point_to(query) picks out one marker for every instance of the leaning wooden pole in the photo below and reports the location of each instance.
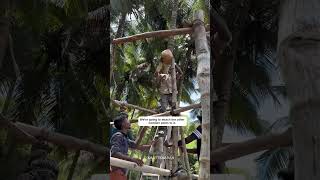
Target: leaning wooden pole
(17, 129)
(203, 77)
(161, 33)
(119, 103)
(236, 150)
(69, 142)
(179, 110)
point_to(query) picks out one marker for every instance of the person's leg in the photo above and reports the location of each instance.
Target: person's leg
(169, 97)
(163, 102)
(172, 105)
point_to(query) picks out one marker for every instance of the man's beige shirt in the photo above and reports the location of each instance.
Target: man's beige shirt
(165, 84)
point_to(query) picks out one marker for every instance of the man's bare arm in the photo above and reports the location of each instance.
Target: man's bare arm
(178, 69)
(127, 158)
(143, 147)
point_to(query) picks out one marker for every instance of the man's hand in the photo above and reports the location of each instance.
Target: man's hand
(166, 143)
(145, 147)
(164, 76)
(137, 161)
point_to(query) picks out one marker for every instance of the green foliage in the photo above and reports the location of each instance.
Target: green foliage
(271, 162)
(62, 84)
(76, 8)
(201, 5)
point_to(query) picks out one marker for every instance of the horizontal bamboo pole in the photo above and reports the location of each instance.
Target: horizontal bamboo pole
(119, 103)
(193, 176)
(66, 141)
(179, 110)
(236, 150)
(147, 170)
(133, 166)
(153, 34)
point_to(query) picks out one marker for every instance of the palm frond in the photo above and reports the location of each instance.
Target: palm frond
(270, 162)
(243, 116)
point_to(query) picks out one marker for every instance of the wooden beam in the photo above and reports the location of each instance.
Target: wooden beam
(133, 166)
(236, 150)
(17, 130)
(179, 110)
(150, 170)
(193, 176)
(153, 34)
(66, 141)
(119, 103)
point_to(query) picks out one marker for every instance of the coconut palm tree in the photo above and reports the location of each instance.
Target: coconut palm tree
(246, 48)
(298, 50)
(60, 61)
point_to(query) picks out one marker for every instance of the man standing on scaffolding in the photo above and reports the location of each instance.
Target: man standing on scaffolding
(163, 75)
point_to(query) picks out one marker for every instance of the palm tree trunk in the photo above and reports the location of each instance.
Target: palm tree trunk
(223, 77)
(4, 38)
(299, 53)
(184, 68)
(73, 165)
(122, 22)
(203, 77)
(119, 33)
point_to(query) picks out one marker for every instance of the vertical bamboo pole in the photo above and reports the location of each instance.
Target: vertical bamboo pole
(151, 151)
(174, 148)
(203, 77)
(185, 154)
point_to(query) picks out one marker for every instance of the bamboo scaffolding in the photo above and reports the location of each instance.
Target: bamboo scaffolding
(179, 110)
(144, 168)
(133, 166)
(153, 34)
(119, 103)
(228, 152)
(184, 153)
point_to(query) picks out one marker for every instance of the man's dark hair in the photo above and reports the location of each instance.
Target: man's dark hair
(119, 120)
(124, 114)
